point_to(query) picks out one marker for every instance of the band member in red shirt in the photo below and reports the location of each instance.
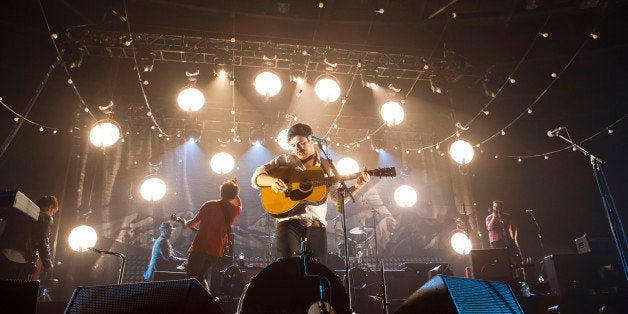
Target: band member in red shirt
(215, 219)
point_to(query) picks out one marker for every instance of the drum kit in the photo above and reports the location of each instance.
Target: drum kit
(359, 245)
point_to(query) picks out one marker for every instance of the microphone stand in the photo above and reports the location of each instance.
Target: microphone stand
(381, 267)
(340, 203)
(538, 230)
(120, 255)
(614, 220)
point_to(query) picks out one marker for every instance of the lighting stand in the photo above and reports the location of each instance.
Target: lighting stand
(614, 220)
(385, 302)
(120, 255)
(343, 190)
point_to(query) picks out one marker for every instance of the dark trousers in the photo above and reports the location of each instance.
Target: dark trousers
(198, 265)
(289, 235)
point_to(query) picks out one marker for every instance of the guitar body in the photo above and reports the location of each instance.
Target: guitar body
(301, 190)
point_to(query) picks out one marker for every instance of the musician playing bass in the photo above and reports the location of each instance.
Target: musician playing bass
(215, 219)
(163, 257)
(306, 220)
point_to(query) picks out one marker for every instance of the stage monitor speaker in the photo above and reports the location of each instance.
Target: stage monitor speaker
(491, 264)
(444, 294)
(177, 296)
(19, 296)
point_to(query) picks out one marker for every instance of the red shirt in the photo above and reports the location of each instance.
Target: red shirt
(496, 233)
(212, 232)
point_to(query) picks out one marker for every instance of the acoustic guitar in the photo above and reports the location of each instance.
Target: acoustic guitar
(305, 187)
(230, 237)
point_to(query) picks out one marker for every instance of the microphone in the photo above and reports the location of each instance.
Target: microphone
(316, 139)
(554, 132)
(529, 210)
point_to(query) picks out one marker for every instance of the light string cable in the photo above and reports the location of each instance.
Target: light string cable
(416, 80)
(426, 68)
(343, 102)
(460, 128)
(547, 154)
(510, 78)
(555, 77)
(53, 38)
(137, 71)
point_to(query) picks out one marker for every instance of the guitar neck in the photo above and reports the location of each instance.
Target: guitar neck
(333, 179)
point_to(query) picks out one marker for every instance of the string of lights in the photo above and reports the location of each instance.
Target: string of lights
(70, 81)
(342, 103)
(608, 129)
(510, 79)
(403, 100)
(555, 78)
(18, 116)
(139, 76)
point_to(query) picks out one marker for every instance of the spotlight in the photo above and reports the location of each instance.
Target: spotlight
(81, 238)
(368, 77)
(269, 52)
(256, 137)
(73, 57)
(297, 73)
(145, 59)
(405, 196)
(461, 152)
(191, 99)
(192, 132)
(222, 163)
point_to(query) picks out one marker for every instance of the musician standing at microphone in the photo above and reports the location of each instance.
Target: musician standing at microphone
(215, 218)
(501, 231)
(306, 221)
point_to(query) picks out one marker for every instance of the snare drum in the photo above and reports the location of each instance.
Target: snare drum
(284, 287)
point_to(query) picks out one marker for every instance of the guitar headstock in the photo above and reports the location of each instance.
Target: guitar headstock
(383, 172)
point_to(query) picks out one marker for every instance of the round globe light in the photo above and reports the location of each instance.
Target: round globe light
(461, 152)
(347, 165)
(268, 84)
(392, 113)
(191, 99)
(282, 139)
(104, 133)
(405, 196)
(222, 163)
(327, 89)
(153, 189)
(460, 242)
(82, 238)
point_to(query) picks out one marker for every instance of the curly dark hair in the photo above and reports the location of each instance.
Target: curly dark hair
(48, 202)
(229, 190)
(299, 129)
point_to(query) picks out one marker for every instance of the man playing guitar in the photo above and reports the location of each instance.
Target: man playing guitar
(307, 220)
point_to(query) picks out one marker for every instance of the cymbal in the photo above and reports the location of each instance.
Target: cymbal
(360, 230)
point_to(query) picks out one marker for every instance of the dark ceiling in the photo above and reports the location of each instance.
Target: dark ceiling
(471, 49)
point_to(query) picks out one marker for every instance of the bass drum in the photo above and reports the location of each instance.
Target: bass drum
(284, 287)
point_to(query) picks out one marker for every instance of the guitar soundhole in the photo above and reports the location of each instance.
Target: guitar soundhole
(305, 189)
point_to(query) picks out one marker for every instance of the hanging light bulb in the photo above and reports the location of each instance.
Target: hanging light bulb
(153, 189)
(347, 165)
(191, 99)
(405, 196)
(104, 133)
(327, 88)
(268, 84)
(222, 163)
(461, 152)
(392, 113)
(282, 139)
